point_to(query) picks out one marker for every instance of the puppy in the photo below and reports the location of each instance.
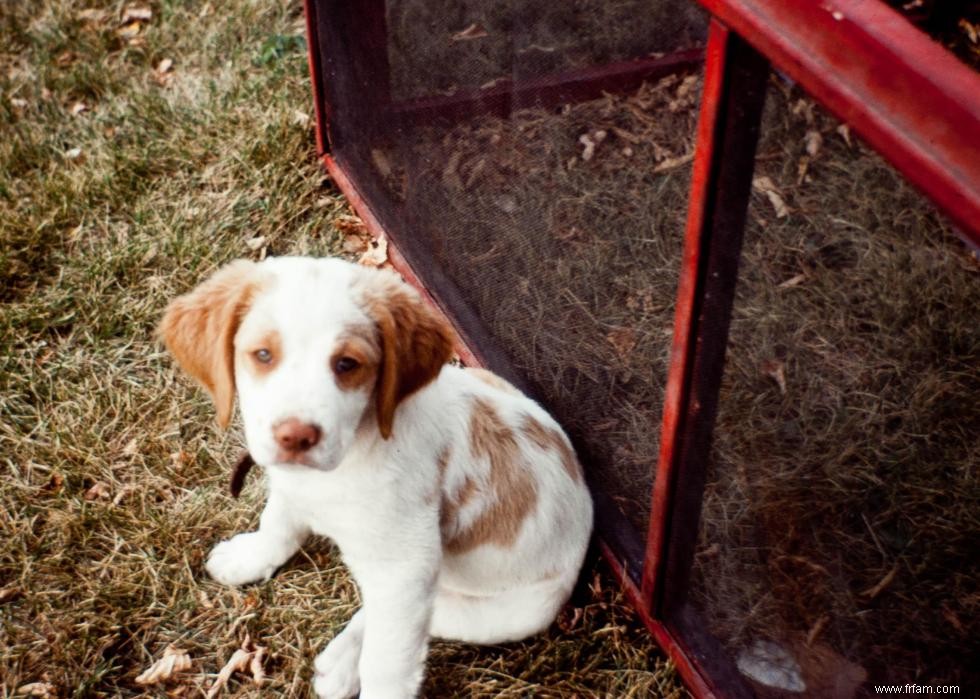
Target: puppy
(456, 502)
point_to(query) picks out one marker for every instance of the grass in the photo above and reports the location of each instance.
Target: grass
(114, 480)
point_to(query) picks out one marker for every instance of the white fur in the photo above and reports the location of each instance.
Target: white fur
(379, 499)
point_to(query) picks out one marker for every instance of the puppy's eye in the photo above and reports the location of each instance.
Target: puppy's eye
(345, 364)
(263, 355)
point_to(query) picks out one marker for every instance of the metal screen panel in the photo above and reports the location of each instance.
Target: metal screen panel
(838, 534)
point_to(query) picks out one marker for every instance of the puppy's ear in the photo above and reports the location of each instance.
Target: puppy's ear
(199, 330)
(415, 343)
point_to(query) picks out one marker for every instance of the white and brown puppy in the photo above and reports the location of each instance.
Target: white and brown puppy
(456, 501)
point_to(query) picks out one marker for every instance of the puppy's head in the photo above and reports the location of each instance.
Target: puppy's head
(315, 348)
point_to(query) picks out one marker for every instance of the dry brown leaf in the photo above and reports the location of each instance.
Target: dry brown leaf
(793, 281)
(255, 666)
(38, 689)
(765, 185)
(623, 341)
(474, 31)
(238, 662)
(876, 590)
(65, 59)
(91, 16)
(972, 30)
(376, 254)
(813, 141)
(129, 31)
(256, 243)
(54, 483)
(381, 163)
(775, 370)
(174, 660)
(672, 163)
(136, 13)
(99, 491)
(10, 593)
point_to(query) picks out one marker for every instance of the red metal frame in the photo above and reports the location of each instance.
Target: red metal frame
(910, 99)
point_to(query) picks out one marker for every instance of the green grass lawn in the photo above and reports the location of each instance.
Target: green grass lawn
(136, 157)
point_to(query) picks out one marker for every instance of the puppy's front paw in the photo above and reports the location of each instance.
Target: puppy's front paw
(243, 559)
(336, 668)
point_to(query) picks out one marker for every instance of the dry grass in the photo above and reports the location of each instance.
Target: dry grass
(114, 477)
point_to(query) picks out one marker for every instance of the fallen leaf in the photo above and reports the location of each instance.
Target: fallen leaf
(300, 118)
(238, 662)
(802, 168)
(164, 66)
(950, 616)
(99, 491)
(136, 13)
(65, 58)
(78, 108)
(174, 660)
(129, 31)
(845, 132)
(775, 370)
(18, 102)
(255, 666)
(376, 254)
(54, 483)
(132, 447)
(971, 31)
(255, 243)
(588, 147)
(623, 341)
(805, 109)
(92, 16)
(793, 281)
(813, 141)
(474, 31)
(381, 163)
(765, 185)
(672, 163)
(876, 590)
(10, 593)
(38, 689)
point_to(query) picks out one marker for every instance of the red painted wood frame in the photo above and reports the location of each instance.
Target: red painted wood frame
(905, 95)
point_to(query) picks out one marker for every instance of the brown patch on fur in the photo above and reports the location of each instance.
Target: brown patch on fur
(199, 330)
(491, 379)
(361, 346)
(270, 341)
(510, 482)
(548, 438)
(415, 343)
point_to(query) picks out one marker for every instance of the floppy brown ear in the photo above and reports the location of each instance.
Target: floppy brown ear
(415, 343)
(199, 330)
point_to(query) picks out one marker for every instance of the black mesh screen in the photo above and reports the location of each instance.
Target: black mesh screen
(842, 513)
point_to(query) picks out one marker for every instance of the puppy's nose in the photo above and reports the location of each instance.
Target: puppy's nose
(295, 436)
